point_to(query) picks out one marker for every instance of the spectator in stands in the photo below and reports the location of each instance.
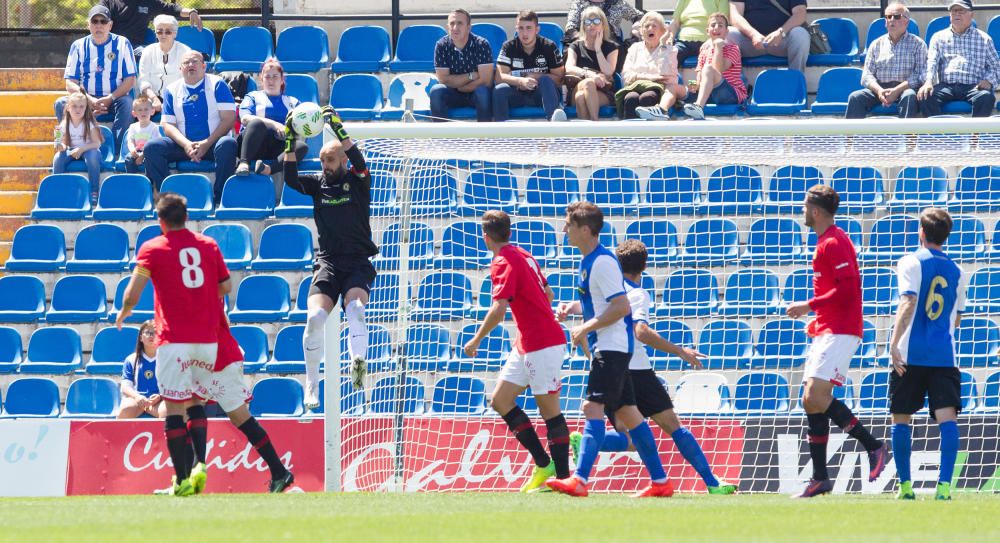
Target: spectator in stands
(131, 18)
(962, 65)
(615, 11)
(894, 68)
(198, 115)
(78, 137)
(590, 65)
(140, 133)
(102, 67)
(530, 70)
(463, 63)
(687, 29)
(161, 66)
(262, 116)
(650, 73)
(760, 27)
(719, 75)
(140, 392)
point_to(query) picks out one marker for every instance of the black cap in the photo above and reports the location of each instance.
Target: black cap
(967, 4)
(99, 9)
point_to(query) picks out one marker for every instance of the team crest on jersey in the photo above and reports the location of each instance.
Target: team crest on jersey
(583, 275)
(347, 187)
(191, 98)
(148, 374)
(111, 55)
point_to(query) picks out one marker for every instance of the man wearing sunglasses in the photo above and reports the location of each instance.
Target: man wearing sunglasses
(131, 17)
(894, 69)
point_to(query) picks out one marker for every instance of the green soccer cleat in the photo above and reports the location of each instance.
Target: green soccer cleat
(575, 438)
(539, 476)
(169, 490)
(184, 488)
(198, 478)
(906, 491)
(724, 488)
(359, 369)
(943, 491)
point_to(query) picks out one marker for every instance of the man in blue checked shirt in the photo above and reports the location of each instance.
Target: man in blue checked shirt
(962, 64)
(102, 66)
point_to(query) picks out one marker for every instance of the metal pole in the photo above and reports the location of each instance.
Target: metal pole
(265, 13)
(395, 20)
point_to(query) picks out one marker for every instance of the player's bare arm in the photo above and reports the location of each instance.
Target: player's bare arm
(904, 316)
(616, 311)
(493, 319)
(132, 294)
(568, 308)
(225, 287)
(647, 336)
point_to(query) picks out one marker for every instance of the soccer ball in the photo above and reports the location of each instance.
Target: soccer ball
(307, 120)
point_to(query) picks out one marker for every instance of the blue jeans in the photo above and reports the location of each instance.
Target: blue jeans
(982, 100)
(862, 101)
(91, 158)
(545, 94)
(723, 93)
(160, 152)
(444, 98)
(120, 108)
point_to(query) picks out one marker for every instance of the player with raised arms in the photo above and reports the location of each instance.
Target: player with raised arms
(538, 354)
(836, 332)
(607, 329)
(342, 271)
(932, 294)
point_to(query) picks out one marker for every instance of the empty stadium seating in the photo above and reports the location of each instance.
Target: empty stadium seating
(751, 293)
(31, 397)
(284, 247)
(463, 247)
(842, 34)
(549, 191)
(92, 398)
(303, 49)
(111, 347)
(244, 49)
(689, 293)
(917, 187)
(196, 188)
(246, 197)
(100, 248)
(492, 352)
(977, 343)
(778, 92)
(124, 197)
(614, 190)
(37, 248)
(786, 190)
(261, 298)
(727, 344)
(11, 350)
(202, 41)
(362, 49)
(983, 295)
(77, 298)
(142, 311)
(390, 395)
(781, 344)
(234, 242)
(702, 392)
(659, 237)
(277, 397)
(835, 86)
(672, 190)
(772, 242)
(53, 350)
(761, 392)
(415, 48)
(357, 97)
(710, 242)
(22, 298)
(458, 395)
(62, 196)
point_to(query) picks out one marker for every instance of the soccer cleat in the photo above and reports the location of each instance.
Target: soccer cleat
(575, 438)
(539, 476)
(724, 488)
(184, 488)
(198, 478)
(652, 113)
(694, 111)
(943, 491)
(876, 462)
(169, 490)
(571, 486)
(359, 369)
(656, 490)
(906, 491)
(311, 398)
(816, 488)
(277, 486)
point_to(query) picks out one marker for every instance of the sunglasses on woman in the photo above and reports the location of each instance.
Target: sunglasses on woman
(592, 22)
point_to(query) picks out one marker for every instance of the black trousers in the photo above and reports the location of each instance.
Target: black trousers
(258, 141)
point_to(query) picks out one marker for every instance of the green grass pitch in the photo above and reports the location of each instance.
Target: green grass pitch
(478, 517)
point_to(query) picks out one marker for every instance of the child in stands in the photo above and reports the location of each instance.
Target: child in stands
(77, 137)
(139, 133)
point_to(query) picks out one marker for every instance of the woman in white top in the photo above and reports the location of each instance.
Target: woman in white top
(160, 65)
(650, 70)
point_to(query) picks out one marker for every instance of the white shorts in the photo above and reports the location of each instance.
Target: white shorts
(539, 369)
(830, 357)
(226, 388)
(175, 363)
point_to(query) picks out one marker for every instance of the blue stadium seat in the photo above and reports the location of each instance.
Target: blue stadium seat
(244, 49)
(876, 29)
(352, 401)
(751, 293)
(835, 86)
(483, 301)
(92, 398)
(891, 238)
(111, 347)
(977, 340)
(304, 88)
(549, 191)
(383, 193)
(983, 295)
(551, 31)
(614, 190)
(493, 351)
(284, 246)
(235, 243)
(428, 347)
(357, 97)
(867, 354)
(569, 256)
(415, 48)
(850, 226)
(728, 345)
(442, 296)
(196, 188)
(261, 298)
(761, 392)
(969, 392)
(774, 241)
(977, 190)
(246, 197)
(967, 241)
(287, 356)
(385, 397)
(62, 196)
(672, 190)
(842, 34)
(293, 204)
(879, 291)
(31, 397)
(946, 143)
(433, 192)
(874, 395)
(421, 250)
(539, 239)
(403, 87)
(37, 248)
(458, 395)
(798, 286)
(53, 350)
(659, 236)
(710, 242)
(778, 92)
(22, 298)
(463, 247)
(202, 41)
(689, 293)
(11, 350)
(844, 393)
(124, 197)
(573, 393)
(383, 303)
(993, 29)
(100, 248)
(362, 49)
(142, 312)
(107, 152)
(492, 33)
(917, 187)
(147, 233)
(253, 340)
(733, 190)
(676, 332)
(78, 298)
(781, 344)
(991, 393)
(992, 252)
(702, 393)
(303, 49)
(563, 286)
(487, 189)
(277, 397)
(860, 188)
(938, 24)
(788, 186)
(833, 144)
(379, 354)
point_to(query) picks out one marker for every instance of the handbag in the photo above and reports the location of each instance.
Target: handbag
(819, 43)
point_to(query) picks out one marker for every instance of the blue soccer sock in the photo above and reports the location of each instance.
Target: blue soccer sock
(949, 449)
(901, 441)
(645, 445)
(593, 436)
(614, 441)
(691, 451)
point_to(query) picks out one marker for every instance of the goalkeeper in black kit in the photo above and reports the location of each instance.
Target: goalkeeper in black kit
(342, 269)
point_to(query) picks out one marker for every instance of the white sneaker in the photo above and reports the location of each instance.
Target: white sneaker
(359, 369)
(558, 116)
(652, 113)
(311, 399)
(694, 111)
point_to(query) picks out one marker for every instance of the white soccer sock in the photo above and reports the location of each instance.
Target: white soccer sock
(312, 342)
(357, 330)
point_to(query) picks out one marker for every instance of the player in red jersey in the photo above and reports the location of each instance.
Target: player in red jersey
(538, 355)
(836, 333)
(190, 278)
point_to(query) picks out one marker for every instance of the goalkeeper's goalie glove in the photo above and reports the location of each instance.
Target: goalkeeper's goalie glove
(331, 117)
(289, 134)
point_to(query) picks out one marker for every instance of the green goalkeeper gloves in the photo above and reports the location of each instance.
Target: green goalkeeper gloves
(289, 134)
(335, 122)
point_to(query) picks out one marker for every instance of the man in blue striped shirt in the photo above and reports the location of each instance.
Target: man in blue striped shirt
(102, 66)
(962, 65)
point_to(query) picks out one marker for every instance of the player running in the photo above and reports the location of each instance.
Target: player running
(190, 278)
(836, 333)
(539, 351)
(607, 328)
(341, 209)
(651, 398)
(923, 349)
